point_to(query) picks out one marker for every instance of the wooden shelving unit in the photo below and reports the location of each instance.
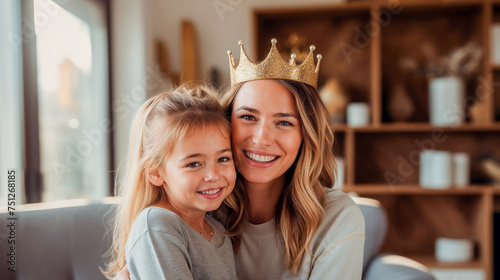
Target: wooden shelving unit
(382, 33)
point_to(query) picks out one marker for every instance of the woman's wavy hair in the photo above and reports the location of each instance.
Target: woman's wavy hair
(162, 121)
(300, 209)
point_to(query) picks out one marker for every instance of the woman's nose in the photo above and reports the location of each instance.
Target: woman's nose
(212, 173)
(262, 135)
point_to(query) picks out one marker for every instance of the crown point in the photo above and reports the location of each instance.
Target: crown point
(274, 41)
(319, 56)
(294, 56)
(312, 47)
(240, 42)
(229, 52)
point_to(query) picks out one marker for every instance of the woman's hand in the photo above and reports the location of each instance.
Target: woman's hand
(122, 275)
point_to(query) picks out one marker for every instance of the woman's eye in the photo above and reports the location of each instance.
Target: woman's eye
(248, 117)
(285, 123)
(193, 164)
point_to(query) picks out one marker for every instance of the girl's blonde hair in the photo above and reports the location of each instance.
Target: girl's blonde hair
(158, 125)
(300, 209)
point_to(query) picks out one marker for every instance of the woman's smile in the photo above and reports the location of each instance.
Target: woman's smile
(259, 157)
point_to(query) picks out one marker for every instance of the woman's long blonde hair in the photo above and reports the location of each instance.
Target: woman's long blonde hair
(300, 209)
(159, 124)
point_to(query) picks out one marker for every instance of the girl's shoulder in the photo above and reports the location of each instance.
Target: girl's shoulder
(155, 221)
(160, 220)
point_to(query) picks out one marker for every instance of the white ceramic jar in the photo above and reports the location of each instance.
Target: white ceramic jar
(447, 101)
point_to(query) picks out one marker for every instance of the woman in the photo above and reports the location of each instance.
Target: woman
(284, 221)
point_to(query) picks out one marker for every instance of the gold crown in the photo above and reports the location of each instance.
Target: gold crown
(274, 67)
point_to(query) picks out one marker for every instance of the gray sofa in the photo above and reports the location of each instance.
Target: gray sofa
(59, 241)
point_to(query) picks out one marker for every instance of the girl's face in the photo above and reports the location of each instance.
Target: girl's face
(200, 173)
(266, 134)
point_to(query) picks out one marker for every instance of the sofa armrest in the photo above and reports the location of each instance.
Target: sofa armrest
(388, 266)
(375, 227)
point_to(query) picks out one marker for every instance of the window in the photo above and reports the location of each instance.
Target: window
(67, 125)
(71, 52)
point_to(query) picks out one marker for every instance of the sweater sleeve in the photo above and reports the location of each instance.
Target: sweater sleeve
(341, 238)
(159, 255)
(343, 260)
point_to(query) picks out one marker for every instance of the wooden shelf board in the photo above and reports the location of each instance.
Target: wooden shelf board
(433, 4)
(495, 67)
(432, 263)
(320, 8)
(496, 190)
(414, 190)
(339, 127)
(367, 7)
(425, 127)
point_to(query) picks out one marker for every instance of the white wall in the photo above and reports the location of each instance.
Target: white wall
(217, 31)
(129, 67)
(134, 72)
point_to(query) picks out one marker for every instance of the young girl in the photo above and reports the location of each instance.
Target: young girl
(180, 167)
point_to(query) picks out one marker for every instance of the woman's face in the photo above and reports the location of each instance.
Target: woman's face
(266, 132)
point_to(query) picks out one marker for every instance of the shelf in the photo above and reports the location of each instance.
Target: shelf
(496, 190)
(425, 127)
(335, 8)
(416, 127)
(342, 8)
(432, 263)
(366, 6)
(367, 189)
(431, 4)
(340, 127)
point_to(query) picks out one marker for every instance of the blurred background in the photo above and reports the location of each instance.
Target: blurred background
(411, 88)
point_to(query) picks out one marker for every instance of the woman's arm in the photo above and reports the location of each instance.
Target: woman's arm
(343, 260)
(340, 240)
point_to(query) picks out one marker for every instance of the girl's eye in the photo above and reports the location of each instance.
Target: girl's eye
(285, 123)
(224, 159)
(193, 164)
(248, 117)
